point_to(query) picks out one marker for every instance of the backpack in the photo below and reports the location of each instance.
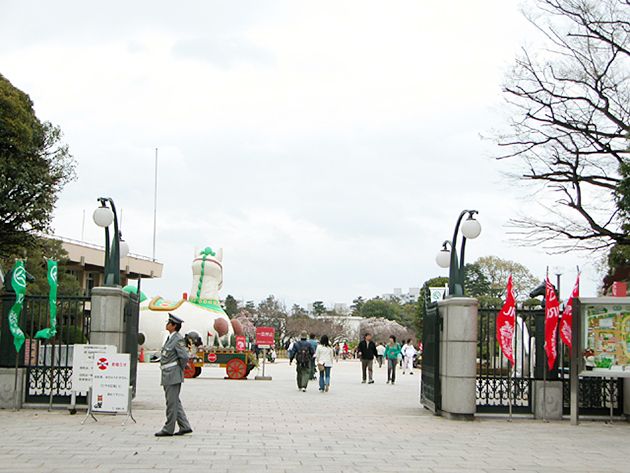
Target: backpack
(303, 354)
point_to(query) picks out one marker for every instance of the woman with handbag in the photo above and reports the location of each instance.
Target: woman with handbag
(324, 357)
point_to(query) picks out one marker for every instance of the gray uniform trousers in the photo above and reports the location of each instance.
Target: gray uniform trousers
(174, 359)
(174, 410)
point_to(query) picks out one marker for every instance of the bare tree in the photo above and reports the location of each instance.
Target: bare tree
(569, 107)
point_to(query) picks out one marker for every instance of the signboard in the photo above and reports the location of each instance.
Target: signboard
(265, 337)
(110, 386)
(241, 344)
(83, 364)
(604, 337)
(437, 293)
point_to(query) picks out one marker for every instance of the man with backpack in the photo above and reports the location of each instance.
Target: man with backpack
(303, 353)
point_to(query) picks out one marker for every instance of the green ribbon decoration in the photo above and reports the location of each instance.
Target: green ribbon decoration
(205, 253)
(52, 302)
(18, 281)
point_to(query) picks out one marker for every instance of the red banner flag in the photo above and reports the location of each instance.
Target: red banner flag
(566, 323)
(505, 323)
(552, 314)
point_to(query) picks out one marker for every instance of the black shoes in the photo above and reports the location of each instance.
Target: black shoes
(184, 432)
(161, 433)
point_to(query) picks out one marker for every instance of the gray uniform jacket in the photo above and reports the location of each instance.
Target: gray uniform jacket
(174, 359)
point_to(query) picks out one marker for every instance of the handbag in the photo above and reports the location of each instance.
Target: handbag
(320, 366)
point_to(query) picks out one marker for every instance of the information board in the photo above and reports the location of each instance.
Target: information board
(605, 337)
(265, 337)
(110, 386)
(83, 364)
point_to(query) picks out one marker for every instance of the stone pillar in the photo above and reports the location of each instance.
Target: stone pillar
(548, 404)
(458, 357)
(107, 319)
(7, 387)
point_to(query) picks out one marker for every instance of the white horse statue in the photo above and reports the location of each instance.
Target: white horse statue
(204, 318)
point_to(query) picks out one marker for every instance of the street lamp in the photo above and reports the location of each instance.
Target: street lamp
(103, 217)
(446, 258)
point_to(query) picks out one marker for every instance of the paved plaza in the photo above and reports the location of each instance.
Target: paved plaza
(251, 426)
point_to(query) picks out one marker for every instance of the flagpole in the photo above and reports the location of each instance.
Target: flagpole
(544, 407)
(52, 375)
(15, 389)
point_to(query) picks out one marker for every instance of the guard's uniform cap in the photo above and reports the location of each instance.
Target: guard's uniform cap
(174, 319)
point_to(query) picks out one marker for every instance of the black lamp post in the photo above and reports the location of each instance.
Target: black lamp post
(103, 217)
(446, 258)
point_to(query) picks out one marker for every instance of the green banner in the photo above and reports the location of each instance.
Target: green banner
(52, 302)
(18, 281)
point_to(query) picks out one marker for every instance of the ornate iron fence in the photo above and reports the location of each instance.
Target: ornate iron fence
(48, 363)
(493, 382)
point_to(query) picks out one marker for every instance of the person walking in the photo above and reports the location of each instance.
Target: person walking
(303, 354)
(392, 351)
(366, 350)
(324, 356)
(380, 349)
(173, 360)
(312, 341)
(409, 352)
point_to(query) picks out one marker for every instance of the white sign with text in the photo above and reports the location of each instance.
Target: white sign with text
(110, 387)
(83, 364)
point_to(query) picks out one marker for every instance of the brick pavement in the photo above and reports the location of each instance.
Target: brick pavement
(252, 426)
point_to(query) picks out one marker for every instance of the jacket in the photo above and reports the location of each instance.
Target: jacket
(367, 350)
(173, 360)
(324, 355)
(298, 345)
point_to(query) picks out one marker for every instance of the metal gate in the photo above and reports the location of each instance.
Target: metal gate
(48, 363)
(493, 382)
(431, 394)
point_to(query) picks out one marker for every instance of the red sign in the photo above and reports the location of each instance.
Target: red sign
(102, 363)
(240, 343)
(212, 357)
(264, 337)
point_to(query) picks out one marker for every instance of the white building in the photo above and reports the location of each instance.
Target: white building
(404, 298)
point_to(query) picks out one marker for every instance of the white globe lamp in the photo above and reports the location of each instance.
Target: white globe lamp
(443, 258)
(103, 217)
(471, 228)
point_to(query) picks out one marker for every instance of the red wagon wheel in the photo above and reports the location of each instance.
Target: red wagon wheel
(189, 371)
(236, 369)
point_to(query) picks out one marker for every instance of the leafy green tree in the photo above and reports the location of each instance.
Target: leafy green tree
(497, 271)
(34, 167)
(273, 313)
(475, 282)
(377, 307)
(231, 306)
(319, 308)
(357, 305)
(35, 264)
(298, 312)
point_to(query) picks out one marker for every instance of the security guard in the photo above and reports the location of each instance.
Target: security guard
(173, 361)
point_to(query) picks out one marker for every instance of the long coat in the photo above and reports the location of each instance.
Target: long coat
(174, 351)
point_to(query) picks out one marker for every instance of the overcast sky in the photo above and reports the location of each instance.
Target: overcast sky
(328, 147)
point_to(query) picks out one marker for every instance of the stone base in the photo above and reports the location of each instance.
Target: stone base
(552, 403)
(451, 416)
(7, 387)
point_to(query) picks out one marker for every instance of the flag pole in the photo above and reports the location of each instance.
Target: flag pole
(513, 366)
(15, 387)
(546, 360)
(52, 375)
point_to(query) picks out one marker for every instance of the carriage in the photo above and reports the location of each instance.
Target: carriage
(237, 364)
